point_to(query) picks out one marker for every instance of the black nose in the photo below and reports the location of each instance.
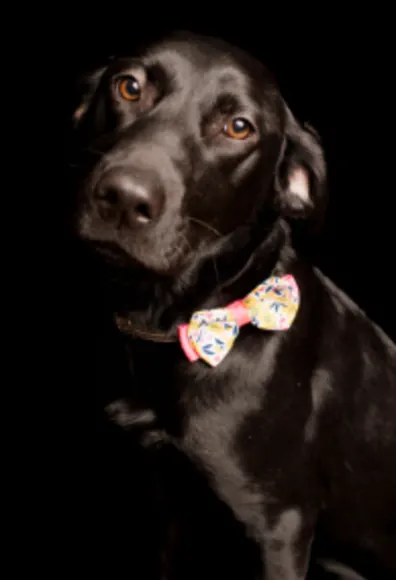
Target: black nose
(129, 193)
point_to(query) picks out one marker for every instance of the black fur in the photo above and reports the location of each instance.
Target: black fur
(295, 431)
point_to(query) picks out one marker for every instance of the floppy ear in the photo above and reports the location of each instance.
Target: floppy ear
(301, 173)
(85, 90)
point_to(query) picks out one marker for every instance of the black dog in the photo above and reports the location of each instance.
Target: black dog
(192, 168)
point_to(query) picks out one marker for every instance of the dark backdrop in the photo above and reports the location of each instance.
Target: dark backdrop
(335, 71)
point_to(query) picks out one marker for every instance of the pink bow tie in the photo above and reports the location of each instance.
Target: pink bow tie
(211, 334)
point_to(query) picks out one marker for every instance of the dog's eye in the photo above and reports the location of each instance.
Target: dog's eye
(238, 128)
(129, 88)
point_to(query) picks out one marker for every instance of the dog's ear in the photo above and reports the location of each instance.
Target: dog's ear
(301, 178)
(86, 86)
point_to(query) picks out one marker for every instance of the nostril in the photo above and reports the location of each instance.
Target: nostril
(143, 212)
(108, 195)
(107, 202)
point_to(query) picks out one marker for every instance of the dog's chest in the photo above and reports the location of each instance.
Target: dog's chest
(185, 394)
(167, 380)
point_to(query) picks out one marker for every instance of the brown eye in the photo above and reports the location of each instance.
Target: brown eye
(129, 88)
(238, 128)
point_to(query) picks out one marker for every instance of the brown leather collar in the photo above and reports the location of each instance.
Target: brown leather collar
(126, 326)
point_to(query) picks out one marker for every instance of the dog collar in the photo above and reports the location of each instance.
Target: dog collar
(210, 334)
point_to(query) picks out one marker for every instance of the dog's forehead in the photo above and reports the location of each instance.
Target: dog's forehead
(200, 54)
(209, 61)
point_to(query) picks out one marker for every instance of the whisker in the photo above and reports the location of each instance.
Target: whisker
(204, 225)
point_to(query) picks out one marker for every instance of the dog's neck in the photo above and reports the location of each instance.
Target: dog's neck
(152, 307)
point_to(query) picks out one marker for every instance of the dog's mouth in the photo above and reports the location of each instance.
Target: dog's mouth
(164, 257)
(111, 252)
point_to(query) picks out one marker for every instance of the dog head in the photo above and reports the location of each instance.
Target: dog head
(182, 146)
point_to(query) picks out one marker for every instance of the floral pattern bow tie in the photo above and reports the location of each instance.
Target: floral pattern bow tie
(210, 334)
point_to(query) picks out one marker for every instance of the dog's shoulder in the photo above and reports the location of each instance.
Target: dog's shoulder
(354, 389)
(358, 361)
(343, 307)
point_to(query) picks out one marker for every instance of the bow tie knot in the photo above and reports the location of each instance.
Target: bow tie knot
(211, 334)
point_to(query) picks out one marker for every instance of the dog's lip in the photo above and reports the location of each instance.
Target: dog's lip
(115, 255)
(110, 250)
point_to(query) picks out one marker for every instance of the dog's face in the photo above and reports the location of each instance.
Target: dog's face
(183, 144)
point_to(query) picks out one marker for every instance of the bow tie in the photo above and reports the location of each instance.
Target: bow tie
(211, 334)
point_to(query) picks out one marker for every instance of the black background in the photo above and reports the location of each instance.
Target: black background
(336, 71)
